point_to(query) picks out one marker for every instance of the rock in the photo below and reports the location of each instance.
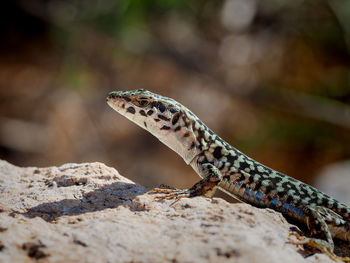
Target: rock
(90, 213)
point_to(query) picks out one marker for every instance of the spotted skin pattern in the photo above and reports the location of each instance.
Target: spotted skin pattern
(222, 166)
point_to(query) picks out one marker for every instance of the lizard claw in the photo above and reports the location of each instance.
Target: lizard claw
(172, 193)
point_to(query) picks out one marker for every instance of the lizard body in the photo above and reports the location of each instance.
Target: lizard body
(222, 166)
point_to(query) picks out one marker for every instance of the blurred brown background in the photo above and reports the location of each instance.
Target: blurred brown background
(271, 77)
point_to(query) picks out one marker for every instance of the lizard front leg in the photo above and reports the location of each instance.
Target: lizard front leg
(207, 186)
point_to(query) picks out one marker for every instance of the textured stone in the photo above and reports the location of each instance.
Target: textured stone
(90, 213)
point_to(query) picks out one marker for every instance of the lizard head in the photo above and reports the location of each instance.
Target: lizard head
(148, 110)
(164, 117)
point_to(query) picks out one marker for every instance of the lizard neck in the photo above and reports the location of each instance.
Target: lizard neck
(184, 134)
(182, 142)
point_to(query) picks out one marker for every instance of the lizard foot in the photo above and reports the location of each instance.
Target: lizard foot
(206, 186)
(171, 193)
(319, 244)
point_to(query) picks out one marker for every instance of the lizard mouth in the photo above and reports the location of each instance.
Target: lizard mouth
(135, 103)
(118, 102)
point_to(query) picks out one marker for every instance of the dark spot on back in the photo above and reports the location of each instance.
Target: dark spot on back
(243, 165)
(268, 190)
(131, 110)
(193, 123)
(289, 199)
(144, 123)
(143, 113)
(186, 134)
(230, 158)
(177, 128)
(286, 185)
(281, 194)
(150, 112)
(156, 120)
(186, 121)
(200, 135)
(325, 202)
(165, 128)
(217, 152)
(172, 110)
(257, 186)
(241, 178)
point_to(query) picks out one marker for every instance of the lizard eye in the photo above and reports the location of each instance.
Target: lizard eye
(142, 102)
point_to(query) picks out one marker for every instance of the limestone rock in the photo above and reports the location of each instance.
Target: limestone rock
(90, 213)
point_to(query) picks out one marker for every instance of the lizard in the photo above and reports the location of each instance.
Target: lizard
(222, 166)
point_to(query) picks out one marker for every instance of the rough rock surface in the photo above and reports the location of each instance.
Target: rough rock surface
(90, 213)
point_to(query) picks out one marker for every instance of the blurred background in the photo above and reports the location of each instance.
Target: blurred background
(271, 77)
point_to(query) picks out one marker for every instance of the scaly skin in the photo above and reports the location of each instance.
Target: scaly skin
(222, 166)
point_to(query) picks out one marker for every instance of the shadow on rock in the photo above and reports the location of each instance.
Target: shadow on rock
(108, 196)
